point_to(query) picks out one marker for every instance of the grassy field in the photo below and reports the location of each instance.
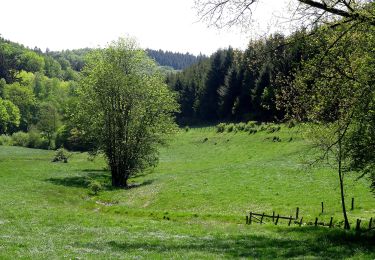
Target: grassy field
(193, 205)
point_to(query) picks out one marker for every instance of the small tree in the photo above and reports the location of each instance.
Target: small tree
(335, 91)
(47, 121)
(9, 116)
(126, 109)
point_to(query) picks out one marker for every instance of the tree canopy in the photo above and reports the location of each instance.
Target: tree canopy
(126, 109)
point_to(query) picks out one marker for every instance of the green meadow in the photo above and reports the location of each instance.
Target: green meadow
(192, 205)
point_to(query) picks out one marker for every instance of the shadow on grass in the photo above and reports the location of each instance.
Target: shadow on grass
(304, 243)
(137, 185)
(83, 181)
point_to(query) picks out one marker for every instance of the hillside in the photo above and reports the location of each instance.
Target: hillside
(192, 205)
(178, 61)
(62, 64)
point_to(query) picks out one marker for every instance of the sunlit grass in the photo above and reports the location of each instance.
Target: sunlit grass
(193, 205)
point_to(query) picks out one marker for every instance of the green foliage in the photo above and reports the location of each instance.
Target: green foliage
(23, 97)
(20, 139)
(5, 140)
(61, 155)
(9, 116)
(235, 85)
(36, 140)
(273, 128)
(125, 106)
(291, 123)
(251, 124)
(177, 61)
(250, 127)
(230, 127)
(31, 61)
(31, 139)
(48, 122)
(240, 126)
(72, 139)
(220, 128)
(52, 68)
(95, 187)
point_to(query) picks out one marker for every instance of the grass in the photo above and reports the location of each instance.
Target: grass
(193, 205)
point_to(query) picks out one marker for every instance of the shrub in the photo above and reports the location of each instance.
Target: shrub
(292, 123)
(273, 128)
(220, 128)
(251, 124)
(187, 128)
(230, 128)
(241, 126)
(263, 127)
(72, 139)
(276, 139)
(20, 139)
(253, 131)
(37, 141)
(5, 140)
(95, 187)
(61, 155)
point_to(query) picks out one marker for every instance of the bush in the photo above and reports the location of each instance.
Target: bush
(37, 141)
(187, 128)
(263, 127)
(241, 126)
(20, 139)
(251, 127)
(291, 123)
(251, 124)
(71, 139)
(95, 187)
(61, 155)
(5, 140)
(230, 128)
(273, 128)
(220, 128)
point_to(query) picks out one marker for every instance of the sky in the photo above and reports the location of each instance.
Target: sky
(163, 24)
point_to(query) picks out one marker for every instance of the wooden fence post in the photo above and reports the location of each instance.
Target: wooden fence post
(297, 212)
(277, 219)
(358, 227)
(370, 224)
(300, 223)
(251, 214)
(261, 219)
(330, 223)
(290, 220)
(316, 220)
(352, 203)
(322, 207)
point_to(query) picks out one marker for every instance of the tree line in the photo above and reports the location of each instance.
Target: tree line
(177, 61)
(234, 85)
(39, 91)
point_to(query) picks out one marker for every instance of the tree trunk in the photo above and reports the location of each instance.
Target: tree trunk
(346, 225)
(346, 221)
(119, 179)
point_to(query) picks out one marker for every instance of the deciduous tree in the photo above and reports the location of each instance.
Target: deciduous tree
(126, 108)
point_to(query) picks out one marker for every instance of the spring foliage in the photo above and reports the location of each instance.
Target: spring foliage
(126, 108)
